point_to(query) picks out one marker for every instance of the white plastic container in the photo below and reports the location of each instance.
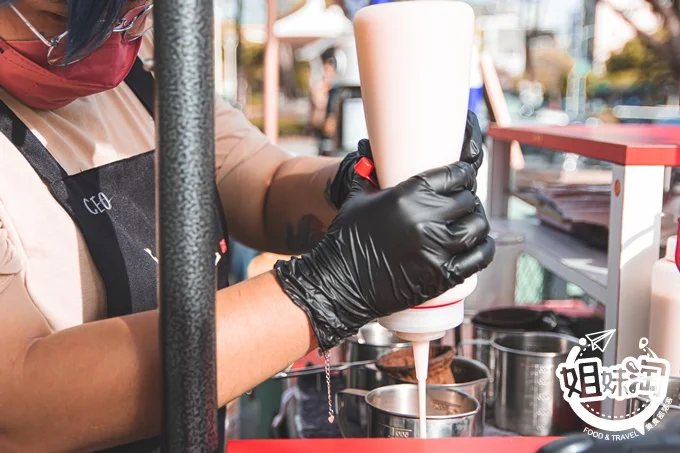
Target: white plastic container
(664, 320)
(431, 320)
(414, 64)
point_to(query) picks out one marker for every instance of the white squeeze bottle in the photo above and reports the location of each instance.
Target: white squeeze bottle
(664, 320)
(414, 65)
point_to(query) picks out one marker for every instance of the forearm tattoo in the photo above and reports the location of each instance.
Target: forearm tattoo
(327, 193)
(310, 229)
(303, 237)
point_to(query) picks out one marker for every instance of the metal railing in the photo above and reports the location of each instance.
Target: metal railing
(187, 234)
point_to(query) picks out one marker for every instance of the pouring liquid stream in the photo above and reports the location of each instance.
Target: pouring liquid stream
(421, 357)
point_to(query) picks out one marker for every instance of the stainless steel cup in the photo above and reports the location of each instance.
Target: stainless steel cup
(482, 336)
(506, 320)
(472, 378)
(528, 400)
(393, 412)
(370, 343)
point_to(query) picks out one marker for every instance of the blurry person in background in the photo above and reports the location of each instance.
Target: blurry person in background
(319, 93)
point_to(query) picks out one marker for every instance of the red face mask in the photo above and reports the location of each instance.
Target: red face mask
(25, 74)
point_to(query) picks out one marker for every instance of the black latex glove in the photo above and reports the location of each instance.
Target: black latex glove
(387, 251)
(342, 183)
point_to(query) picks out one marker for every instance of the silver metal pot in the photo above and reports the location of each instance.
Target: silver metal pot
(528, 400)
(393, 412)
(480, 351)
(370, 343)
(673, 415)
(472, 378)
(526, 321)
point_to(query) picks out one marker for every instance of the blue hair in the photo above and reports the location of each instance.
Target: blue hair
(89, 22)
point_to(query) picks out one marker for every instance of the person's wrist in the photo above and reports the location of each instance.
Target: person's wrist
(304, 280)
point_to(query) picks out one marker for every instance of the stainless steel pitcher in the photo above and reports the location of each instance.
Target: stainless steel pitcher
(393, 412)
(528, 400)
(490, 324)
(482, 337)
(472, 378)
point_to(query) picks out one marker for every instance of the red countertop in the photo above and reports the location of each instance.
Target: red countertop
(457, 445)
(624, 144)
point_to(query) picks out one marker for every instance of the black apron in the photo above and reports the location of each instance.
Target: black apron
(115, 208)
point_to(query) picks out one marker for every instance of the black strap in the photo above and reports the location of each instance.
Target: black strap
(28, 144)
(142, 83)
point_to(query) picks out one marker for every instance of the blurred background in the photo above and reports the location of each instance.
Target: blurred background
(535, 62)
(558, 61)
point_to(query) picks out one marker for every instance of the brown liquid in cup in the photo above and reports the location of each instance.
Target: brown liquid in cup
(400, 365)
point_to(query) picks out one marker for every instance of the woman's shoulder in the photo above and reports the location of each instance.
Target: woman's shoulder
(11, 254)
(11, 260)
(42, 249)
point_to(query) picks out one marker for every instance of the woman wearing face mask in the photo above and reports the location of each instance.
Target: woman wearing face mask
(79, 359)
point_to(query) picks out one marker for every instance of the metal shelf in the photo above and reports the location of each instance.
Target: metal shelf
(561, 254)
(620, 278)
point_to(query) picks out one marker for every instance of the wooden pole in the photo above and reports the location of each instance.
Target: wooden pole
(271, 75)
(497, 106)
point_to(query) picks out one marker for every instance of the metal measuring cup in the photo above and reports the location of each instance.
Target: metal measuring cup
(527, 395)
(472, 378)
(393, 412)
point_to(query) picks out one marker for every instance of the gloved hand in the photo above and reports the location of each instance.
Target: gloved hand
(387, 251)
(342, 183)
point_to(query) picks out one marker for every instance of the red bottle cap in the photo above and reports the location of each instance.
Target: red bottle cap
(365, 168)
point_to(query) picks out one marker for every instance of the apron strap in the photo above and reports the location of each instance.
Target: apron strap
(142, 83)
(30, 147)
(139, 80)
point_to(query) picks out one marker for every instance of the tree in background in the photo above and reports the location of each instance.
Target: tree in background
(667, 44)
(636, 63)
(252, 63)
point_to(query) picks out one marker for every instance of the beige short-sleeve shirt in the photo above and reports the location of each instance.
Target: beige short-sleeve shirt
(39, 242)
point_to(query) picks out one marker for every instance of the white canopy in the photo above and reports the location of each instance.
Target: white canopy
(313, 21)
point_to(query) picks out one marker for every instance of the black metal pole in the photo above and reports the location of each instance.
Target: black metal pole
(187, 234)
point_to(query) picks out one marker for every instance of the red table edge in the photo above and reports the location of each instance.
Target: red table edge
(618, 153)
(458, 445)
